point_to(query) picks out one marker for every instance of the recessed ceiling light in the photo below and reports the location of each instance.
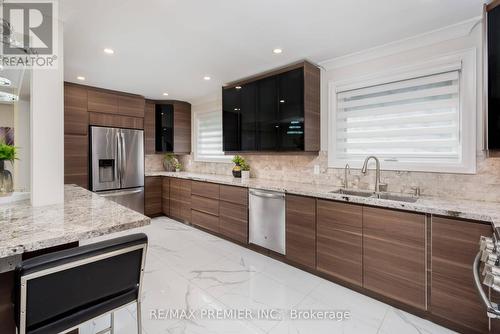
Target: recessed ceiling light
(165, 94)
(80, 78)
(109, 51)
(238, 87)
(206, 78)
(277, 51)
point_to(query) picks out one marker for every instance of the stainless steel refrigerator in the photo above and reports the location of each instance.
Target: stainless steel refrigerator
(117, 165)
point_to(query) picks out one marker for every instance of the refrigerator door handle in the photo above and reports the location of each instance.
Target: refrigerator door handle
(124, 155)
(120, 193)
(118, 157)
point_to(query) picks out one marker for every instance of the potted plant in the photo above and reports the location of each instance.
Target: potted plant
(238, 162)
(7, 153)
(245, 170)
(170, 162)
(178, 167)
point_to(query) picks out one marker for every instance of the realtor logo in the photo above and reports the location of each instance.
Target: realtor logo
(29, 26)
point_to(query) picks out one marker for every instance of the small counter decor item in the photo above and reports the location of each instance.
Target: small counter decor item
(178, 167)
(240, 165)
(170, 162)
(7, 153)
(245, 170)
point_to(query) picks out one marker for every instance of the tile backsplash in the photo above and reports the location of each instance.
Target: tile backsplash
(484, 185)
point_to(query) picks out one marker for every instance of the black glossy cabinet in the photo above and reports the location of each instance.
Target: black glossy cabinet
(494, 78)
(270, 113)
(164, 128)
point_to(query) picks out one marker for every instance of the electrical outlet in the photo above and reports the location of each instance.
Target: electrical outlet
(316, 169)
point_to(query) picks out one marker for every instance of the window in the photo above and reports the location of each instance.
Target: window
(416, 122)
(208, 137)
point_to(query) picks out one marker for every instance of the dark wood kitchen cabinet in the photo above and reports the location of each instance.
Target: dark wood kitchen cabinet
(153, 196)
(454, 297)
(165, 196)
(180, 199)
(340, 240)
(108, 102)
(116, 121)
(275, 111)
(76, 123)
(233, 213)
(149, 128)
(205, 205)
(301, 230)
(394, 255)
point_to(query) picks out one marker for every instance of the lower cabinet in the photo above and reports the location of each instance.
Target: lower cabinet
(455, 244)
(394, 255)
(180, 199)
(152, 195)
(301, 230)
(165, 196)
(233, 213)
(340, 240)
(205, 205)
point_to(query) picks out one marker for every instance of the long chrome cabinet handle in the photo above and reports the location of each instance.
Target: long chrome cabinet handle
(492, 308)
(266, 195)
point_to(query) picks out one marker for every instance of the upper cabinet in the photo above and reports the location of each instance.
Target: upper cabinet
(111, 103)
(278, 111)
(494, 77)
(169, 125)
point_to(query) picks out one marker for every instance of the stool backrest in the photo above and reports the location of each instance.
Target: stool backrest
(58, 291)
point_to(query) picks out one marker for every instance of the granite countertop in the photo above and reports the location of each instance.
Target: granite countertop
(474, 210)
(83, 215)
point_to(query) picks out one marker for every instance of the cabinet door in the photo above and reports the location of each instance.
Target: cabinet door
(131, 106)
(102, 102)
(164, 128)
(180, 199)
(76, 117)
(165, 196)
(291, 110)
(301, 230)
(340, 240)
(149, 128)
(117, 121)
(76, 160)
(494, 78)
(233, 220)
(231, 105)
(248, 124)
(394, 255)
(182, 127)
(455, 244)
(267, 106)
(152, 195)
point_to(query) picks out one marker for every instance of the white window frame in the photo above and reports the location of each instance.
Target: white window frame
(466, 61)
(197, 158)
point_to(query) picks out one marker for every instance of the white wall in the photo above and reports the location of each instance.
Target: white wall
(47, 132)
(22, 167)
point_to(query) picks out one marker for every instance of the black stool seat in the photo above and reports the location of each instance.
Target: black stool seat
(61, 290)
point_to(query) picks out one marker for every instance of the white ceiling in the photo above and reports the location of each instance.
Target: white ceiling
(170, 45)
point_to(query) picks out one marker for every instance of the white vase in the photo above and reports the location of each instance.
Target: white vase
(245, 174)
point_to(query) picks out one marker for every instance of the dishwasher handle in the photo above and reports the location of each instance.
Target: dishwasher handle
(267, 194)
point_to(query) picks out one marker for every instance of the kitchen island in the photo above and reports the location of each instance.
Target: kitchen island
(27, 231)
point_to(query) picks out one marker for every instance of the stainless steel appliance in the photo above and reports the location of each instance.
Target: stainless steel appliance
(267, 219)
(117, 165)
(487, 268)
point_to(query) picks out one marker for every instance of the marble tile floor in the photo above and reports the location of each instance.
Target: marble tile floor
(189, 269)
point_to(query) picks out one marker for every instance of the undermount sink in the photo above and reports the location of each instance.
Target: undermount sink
(384, 196)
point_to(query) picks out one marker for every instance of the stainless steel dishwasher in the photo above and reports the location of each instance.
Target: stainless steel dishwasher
(267, 219)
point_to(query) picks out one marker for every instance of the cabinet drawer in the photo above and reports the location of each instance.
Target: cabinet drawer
(205, 189)
(203, 204)
(205, 220)
(238, 195)
(232, 210)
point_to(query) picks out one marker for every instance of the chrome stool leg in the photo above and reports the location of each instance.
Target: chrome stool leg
(139, 317)
(112, 327)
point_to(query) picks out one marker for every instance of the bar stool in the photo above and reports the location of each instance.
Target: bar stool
(57, 292)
